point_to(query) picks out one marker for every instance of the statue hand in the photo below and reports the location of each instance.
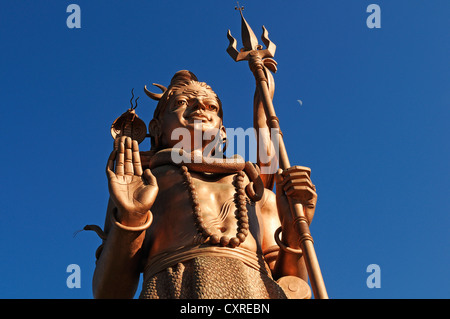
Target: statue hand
(132, 190)
(294, 184)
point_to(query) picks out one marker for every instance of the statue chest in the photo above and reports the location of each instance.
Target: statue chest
(203, 203)
(211, 191)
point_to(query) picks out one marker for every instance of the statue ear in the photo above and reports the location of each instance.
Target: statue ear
(223, 136)
(154, 129)
(223, 133)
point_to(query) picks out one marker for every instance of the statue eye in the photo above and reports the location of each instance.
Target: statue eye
(211, 107)
(181, 102)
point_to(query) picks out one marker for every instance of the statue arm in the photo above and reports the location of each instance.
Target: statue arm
(118, 266)
(265, 148)
(292, 184)
(132, 194)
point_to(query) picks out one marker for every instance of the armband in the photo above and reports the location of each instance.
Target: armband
(283, 246)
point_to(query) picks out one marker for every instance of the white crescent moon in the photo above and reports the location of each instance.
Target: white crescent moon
(300, 102)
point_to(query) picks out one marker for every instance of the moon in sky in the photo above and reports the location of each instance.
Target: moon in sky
(300, 102)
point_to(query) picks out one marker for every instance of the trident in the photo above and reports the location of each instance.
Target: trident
(254, 54)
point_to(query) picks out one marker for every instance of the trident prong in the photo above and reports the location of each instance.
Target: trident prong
(250, 42)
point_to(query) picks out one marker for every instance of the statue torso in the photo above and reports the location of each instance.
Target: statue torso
(203, 275)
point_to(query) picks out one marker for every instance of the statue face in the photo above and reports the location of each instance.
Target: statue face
(187, 108)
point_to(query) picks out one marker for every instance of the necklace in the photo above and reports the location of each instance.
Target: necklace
(240, 200)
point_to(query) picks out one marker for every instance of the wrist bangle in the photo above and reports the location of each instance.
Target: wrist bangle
(283, 246)
(134, 228)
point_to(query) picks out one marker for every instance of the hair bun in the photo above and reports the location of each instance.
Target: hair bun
(183, 76)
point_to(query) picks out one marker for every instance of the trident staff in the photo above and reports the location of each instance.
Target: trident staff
(254, 54)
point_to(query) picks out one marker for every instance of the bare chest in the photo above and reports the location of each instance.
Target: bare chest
(210, 190)
(207, 200)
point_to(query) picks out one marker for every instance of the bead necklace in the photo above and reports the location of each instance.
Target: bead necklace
(240, 200)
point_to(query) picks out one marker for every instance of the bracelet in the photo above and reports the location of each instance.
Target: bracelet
(283, 246)
(134, 228)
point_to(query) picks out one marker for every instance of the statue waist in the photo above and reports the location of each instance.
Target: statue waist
(167, 259)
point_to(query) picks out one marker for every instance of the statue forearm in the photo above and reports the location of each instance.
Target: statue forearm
(265, 147)
(282, 254)
(117, 270)
(289, 264)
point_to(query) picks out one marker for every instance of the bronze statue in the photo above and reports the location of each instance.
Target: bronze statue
(204, 226)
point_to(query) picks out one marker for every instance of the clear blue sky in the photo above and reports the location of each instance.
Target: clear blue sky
(373, 127)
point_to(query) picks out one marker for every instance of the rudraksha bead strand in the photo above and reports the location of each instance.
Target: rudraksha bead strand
(240, 201)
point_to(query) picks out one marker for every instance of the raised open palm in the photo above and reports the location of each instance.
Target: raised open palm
(132, 190)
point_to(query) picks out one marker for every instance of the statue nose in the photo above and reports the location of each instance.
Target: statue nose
(198, 104)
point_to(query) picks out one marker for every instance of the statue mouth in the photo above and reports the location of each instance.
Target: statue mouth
(198, 117)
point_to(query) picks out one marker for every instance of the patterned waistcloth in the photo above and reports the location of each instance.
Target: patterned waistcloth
(211, 277)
